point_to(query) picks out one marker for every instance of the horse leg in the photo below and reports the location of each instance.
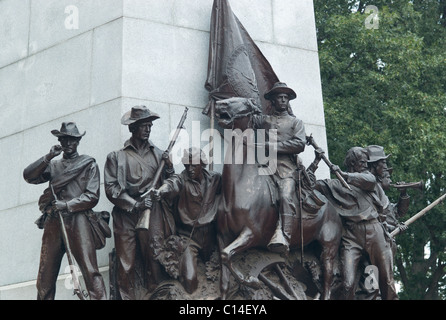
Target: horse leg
(243, 242)
(224, 276)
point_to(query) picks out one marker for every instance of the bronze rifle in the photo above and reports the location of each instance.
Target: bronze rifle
(77, 288)
(144, 220)
(311, 142)
(419, 214)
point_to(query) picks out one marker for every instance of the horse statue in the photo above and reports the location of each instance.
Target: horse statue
(248, 212)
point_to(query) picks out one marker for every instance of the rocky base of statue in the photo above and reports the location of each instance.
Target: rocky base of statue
(249, 263)
(281, 278)
(208, 282)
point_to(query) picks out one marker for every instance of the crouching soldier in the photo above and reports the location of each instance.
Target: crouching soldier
(194, 195)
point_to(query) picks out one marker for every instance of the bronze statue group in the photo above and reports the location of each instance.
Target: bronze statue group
(192, 211)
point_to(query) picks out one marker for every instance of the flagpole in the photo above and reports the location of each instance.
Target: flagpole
(211, 137)
(212, 111)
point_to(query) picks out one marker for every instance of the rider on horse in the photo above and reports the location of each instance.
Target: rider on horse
(291, 140)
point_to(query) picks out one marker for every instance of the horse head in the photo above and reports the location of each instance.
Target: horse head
(232, 113)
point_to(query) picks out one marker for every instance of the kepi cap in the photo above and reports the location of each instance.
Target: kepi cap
(376, 153)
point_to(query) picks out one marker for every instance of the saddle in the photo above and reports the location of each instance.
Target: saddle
(311, 202)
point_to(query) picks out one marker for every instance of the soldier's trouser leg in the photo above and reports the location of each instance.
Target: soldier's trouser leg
(51, 255)
(381, 256)
(151, 243)
(351, 253)
(288, 205)
(282, 236)
(150, 247)
(126, 250)
(84, 251)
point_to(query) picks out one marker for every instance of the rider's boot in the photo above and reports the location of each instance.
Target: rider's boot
(279, 242)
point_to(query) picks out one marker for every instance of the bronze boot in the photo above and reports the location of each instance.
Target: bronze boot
(279, 242)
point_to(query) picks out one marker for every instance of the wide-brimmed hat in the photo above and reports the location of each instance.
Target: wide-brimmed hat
(194, 155)
(138, 113)
(376, 153)
(280, 87)
(68, 129)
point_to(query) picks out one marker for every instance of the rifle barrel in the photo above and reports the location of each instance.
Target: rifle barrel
(143, 222)
(419, 214)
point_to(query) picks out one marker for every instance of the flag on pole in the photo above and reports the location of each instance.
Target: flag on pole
(236, 67)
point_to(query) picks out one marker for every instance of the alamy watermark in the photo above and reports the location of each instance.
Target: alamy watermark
(72, 20)
(252, 147)
(371, 281)
(372, 20)
(69, 282)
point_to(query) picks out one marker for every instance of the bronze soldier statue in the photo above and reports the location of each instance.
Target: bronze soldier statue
(291, 140)
(129, 173)
(194, 195)
(378, 167)
(363, 232)
(74, 192)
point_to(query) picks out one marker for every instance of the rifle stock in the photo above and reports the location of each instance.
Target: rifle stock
(144, 220)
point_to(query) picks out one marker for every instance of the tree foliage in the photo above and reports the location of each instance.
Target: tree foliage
(386, 86)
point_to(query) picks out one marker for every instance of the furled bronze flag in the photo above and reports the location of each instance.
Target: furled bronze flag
(237, 67)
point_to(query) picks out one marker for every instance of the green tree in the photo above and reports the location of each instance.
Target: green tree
(386, 85)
